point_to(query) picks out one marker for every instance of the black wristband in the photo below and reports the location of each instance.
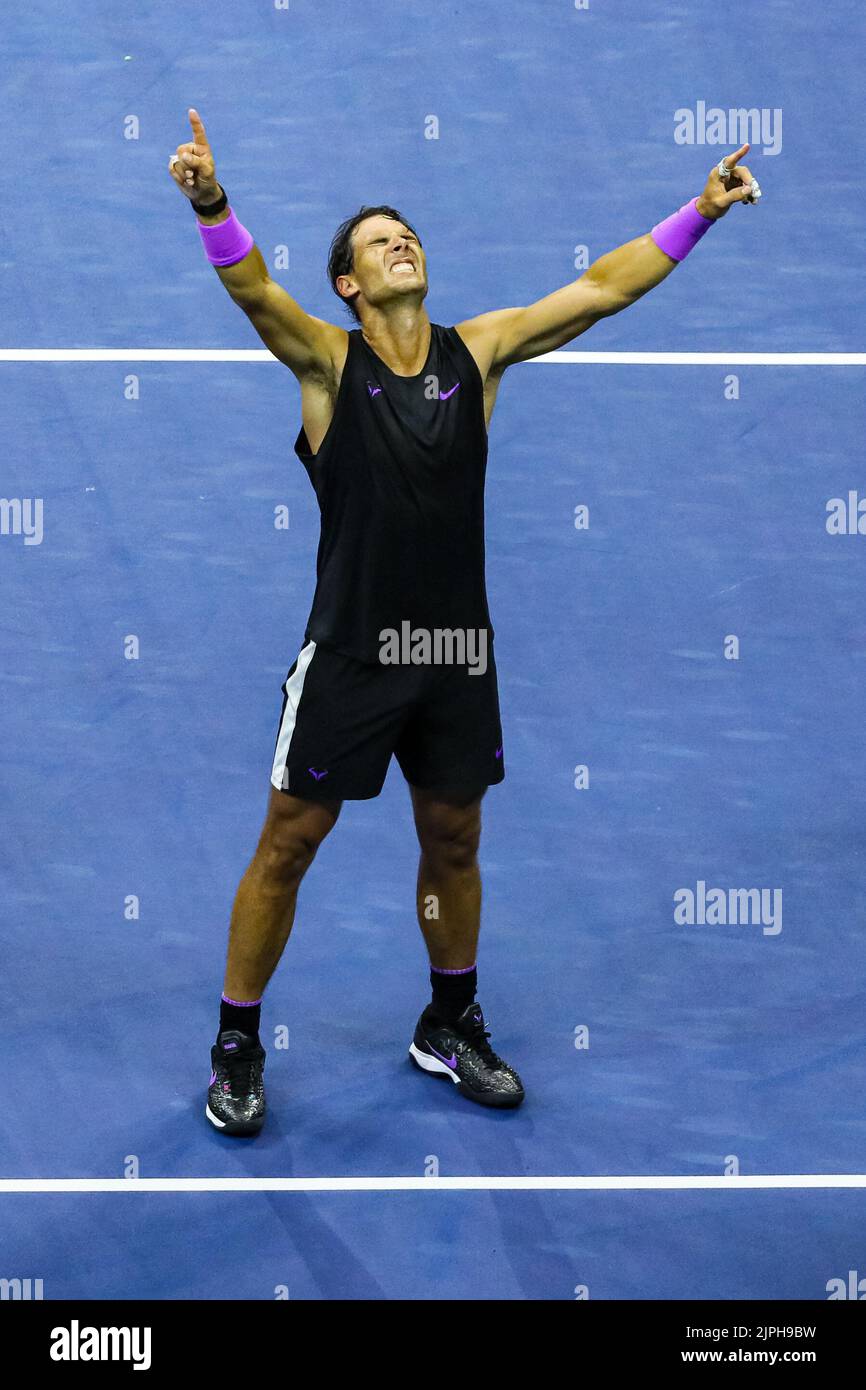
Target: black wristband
(211, 209)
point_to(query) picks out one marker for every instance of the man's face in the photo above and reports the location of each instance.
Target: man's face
(389, 263)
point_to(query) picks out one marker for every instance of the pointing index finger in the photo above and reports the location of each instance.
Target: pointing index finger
(198, 131)
(733, 159)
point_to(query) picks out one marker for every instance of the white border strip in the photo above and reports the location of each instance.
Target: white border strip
(649, 359)
(420, 1184)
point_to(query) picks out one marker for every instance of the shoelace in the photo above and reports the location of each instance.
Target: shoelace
(478, 1035)
(240, 1072)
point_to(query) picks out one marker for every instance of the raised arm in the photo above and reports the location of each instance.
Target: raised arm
(307, 345)
(611, 283)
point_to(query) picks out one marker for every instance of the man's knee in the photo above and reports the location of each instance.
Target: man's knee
(292, 833)
(449, 833)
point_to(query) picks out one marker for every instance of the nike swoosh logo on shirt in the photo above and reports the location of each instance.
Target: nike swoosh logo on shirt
(443, 395)
(374, 390)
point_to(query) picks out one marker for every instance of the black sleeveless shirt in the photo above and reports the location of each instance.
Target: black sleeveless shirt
(399, 479)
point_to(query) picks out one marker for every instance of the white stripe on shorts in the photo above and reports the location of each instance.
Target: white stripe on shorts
(293, 689)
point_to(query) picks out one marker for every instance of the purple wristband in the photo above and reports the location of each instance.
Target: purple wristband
(681, 232)
(225, 242)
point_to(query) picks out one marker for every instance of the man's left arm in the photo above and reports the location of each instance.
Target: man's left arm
(611, 283)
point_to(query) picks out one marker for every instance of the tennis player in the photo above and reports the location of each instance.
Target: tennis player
(397, 658)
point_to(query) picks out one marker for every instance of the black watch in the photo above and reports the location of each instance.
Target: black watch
(211, 209)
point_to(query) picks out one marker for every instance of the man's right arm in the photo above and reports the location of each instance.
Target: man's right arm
(309, 346)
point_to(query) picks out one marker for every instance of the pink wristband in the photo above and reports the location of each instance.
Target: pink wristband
(225, 242)
(681, 232)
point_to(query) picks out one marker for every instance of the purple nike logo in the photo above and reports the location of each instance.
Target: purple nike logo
(443, 395)
(499, 751)
(374, 390)
(318, 775)
(449, 1061)
(212, 1078)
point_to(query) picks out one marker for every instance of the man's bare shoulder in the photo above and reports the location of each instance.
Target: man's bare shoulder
(336, 340)
(332, 349)
(482, 336)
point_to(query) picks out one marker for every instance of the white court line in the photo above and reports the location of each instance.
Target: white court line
(640, 359)
(420, 1184)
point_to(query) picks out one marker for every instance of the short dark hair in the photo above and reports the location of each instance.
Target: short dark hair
(341, 257)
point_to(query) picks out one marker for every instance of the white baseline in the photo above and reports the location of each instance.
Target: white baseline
(647, 1183)
(639, 359)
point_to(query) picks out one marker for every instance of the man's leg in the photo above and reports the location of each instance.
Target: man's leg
(449, 881)
(451, 1039)
(264, 908)
(262, 918)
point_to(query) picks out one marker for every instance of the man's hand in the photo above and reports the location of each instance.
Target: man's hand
(192, 166)
(720, 193)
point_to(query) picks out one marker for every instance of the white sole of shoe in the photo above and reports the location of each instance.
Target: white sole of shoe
(432, 1064)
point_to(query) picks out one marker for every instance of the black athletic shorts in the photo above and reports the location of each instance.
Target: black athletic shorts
(342, 719)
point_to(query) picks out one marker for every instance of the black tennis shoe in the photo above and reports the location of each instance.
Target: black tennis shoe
(236, 1095)
(460, 1049)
